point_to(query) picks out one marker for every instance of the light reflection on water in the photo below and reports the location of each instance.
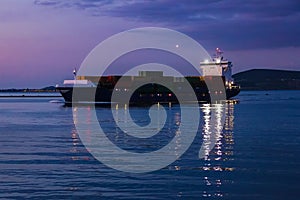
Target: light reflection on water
(42, 157)
(216, 160)
(256, 156)
(224, 139)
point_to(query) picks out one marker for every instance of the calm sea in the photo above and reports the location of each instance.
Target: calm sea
(257, 155)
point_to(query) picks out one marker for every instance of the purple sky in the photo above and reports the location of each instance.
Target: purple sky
(42, 41)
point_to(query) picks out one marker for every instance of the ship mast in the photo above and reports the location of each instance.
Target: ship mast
(219, 55)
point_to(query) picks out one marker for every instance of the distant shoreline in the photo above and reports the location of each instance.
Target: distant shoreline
(30, 96)
(13, 90)
(28, 93)
(263, 89)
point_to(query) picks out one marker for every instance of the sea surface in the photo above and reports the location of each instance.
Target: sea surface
(256, 156)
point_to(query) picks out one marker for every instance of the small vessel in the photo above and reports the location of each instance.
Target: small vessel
(151, 93)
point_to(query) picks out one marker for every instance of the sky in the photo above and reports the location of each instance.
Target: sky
(41, 41)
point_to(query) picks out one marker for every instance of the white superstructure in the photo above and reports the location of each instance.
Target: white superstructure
(218, 66)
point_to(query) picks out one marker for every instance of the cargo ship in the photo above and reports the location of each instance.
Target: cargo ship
(99, 90)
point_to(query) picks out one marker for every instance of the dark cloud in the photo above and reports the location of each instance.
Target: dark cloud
(232, 24)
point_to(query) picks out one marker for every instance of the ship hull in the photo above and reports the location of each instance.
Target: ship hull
(102, 96)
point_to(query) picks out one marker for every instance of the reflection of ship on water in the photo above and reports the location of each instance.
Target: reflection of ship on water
(214, 164)
(219, 158)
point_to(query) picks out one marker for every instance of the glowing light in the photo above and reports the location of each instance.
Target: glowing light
(218, 60)
(177, 46)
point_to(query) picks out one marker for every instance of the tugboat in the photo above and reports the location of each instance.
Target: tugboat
(151, 93)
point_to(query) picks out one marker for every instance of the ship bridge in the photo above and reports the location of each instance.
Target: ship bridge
(218, 66)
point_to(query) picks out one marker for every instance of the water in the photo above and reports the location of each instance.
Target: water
(256, 156)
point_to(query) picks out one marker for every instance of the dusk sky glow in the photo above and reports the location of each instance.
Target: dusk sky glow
(41, 41)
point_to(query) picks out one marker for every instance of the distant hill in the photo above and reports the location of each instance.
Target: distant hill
(267, 79)
(49, 88)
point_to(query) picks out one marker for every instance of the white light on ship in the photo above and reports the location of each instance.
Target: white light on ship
(206, 61)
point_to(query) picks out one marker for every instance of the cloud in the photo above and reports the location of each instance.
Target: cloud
(232, 24)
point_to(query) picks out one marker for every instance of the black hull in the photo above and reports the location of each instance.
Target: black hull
(139, 98)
